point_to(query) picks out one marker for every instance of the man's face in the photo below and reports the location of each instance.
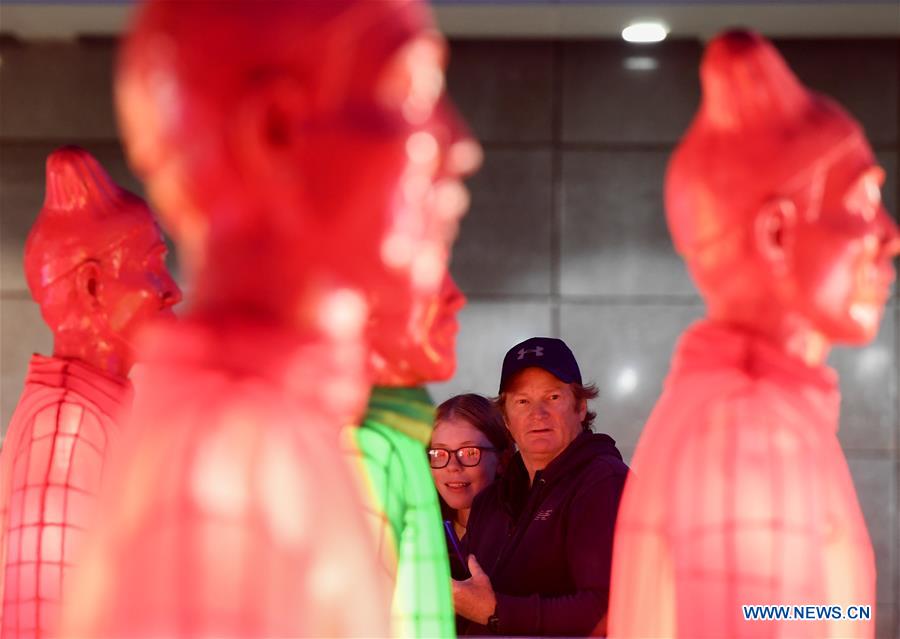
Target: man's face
(542, 414)
(844, 253)
(133, 287)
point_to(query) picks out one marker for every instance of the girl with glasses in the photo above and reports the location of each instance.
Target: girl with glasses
(468, 445)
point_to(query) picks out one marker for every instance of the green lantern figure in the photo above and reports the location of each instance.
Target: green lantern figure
(399, 492)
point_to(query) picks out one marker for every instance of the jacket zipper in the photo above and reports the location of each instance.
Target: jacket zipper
(533, 501)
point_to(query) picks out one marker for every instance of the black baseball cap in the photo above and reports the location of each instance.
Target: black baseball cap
(548, 353)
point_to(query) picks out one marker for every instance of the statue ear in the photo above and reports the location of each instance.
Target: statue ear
(268, 124)
(775, 228)
(87, 283)
(268, 139)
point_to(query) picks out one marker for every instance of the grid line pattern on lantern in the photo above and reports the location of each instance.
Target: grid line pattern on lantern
(57, 446)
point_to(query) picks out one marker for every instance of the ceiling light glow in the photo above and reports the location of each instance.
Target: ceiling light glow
(627, 381)
(640, 63)
(645, 32)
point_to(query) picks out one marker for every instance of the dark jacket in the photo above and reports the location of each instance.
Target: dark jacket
(548, 548)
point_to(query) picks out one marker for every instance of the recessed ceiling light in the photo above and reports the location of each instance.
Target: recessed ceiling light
(645, 32)
(640, 63)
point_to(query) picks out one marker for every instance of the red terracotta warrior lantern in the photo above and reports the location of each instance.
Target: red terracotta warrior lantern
(290, 148)
(400, 497)
(411, 332)
(740, 493)
(94, 262)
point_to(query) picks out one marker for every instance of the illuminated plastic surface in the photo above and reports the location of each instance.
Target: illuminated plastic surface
(401, 501)
(404, 511)
(740, 492)
(292, 149)
(94, 261)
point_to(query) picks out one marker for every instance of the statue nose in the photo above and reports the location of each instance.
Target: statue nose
(891, 237)
(172, 295)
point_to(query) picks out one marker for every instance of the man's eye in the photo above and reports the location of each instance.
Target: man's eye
(555, 396)
(521, 402)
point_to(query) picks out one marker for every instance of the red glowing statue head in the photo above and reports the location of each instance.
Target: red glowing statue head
(413, 335)
(95, 263)
(412, 328)
(296, 165)
(773, 198)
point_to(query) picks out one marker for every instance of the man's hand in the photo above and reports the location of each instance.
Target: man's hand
(474, 598)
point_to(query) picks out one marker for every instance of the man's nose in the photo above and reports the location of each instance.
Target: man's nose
(540, 409)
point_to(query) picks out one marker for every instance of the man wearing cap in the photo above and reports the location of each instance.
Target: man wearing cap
(544, 530)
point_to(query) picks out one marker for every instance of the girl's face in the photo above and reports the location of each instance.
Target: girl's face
(458, 484)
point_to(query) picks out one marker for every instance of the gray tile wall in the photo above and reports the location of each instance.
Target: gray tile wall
(604, 117)
(566, 234)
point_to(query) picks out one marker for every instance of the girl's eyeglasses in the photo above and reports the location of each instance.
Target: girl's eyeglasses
(467, 456)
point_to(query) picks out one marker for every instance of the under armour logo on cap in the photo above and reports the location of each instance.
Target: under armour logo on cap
(548, 353)
(537, 350)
